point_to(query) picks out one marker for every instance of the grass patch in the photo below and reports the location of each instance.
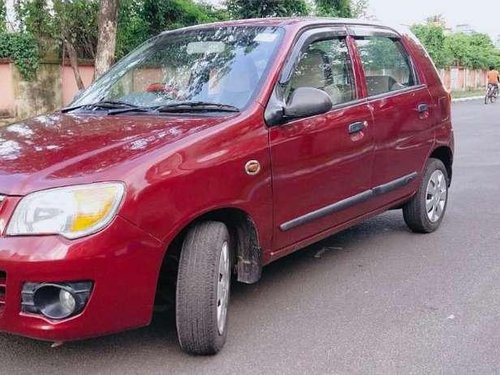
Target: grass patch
(467, 93)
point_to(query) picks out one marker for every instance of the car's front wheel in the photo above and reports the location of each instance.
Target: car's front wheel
(203, 285)
(425, 211)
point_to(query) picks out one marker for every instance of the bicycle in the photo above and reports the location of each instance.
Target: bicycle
(491, 94)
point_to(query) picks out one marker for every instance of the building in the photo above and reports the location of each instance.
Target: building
(465, 28)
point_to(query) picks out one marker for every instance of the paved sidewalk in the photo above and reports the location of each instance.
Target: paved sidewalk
(467, 99)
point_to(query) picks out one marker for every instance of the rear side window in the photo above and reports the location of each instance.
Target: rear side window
(325, 65)
(386, 64)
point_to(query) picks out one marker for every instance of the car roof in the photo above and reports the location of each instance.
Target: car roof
(286, 22)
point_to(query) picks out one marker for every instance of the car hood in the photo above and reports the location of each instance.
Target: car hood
(60, 149)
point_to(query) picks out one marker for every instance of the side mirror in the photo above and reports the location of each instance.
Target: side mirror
(307, 101)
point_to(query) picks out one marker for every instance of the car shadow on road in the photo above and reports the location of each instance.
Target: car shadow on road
(160, 335)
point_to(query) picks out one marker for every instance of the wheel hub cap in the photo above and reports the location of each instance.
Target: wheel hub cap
(436, 195)
(223, 287)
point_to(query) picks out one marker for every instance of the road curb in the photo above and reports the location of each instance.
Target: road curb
(467, 99)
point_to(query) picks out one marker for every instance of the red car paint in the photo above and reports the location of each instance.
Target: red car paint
(179, 168)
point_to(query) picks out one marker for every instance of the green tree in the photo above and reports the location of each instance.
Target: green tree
(133, 28)
(3, 16)
(266, 8)
(359, 8)
(474, 51)
(35, 18)
(334, 8)
(432, 36)
(483, 50)
(164, 15)
(77, 22)
(138, 20)
(52, 21)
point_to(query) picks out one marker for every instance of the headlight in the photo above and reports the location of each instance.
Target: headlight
(73, 211)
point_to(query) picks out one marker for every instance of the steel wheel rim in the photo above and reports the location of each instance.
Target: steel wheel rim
(223, 279)
(435, 197)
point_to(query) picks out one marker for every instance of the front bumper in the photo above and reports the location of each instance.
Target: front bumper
(123, 262)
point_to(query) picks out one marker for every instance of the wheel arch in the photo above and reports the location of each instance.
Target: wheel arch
(244, 235)
(444, 154)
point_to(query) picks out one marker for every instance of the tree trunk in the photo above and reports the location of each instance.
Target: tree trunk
(73, 60)
(108, 19)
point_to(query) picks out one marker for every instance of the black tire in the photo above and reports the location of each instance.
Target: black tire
(414, 212)
(486, 99)
(197, 282)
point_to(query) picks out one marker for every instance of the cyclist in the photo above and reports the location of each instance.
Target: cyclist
(493, 77)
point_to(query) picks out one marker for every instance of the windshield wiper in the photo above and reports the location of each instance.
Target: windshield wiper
(197, 106)
(119, 107)
(105, 104)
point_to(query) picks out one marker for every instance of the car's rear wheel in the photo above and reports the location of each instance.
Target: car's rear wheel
(425, 211)
(203, 285)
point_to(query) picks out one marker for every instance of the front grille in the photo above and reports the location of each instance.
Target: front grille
(3, 280)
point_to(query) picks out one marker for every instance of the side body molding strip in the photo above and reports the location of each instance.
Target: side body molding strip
(349, 202)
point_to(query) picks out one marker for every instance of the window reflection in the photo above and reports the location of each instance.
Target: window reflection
(222, 65)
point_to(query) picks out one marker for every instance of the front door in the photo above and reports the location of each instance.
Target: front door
(321, 164)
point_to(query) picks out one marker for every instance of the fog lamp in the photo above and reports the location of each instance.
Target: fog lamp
(55, 300)
(67, 300)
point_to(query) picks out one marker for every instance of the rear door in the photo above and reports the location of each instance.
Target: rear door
(401, 106)
(321, 164)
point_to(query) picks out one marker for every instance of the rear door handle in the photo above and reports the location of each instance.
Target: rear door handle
(357, 127)
(422, 108)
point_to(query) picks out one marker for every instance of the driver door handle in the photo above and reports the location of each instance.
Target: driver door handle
(357, 127)
(422, 108)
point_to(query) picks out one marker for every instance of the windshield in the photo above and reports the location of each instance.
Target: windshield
(220, 65)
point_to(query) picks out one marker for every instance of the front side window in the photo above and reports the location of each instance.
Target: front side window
(325, 65)
(386, 64)
(221, 65)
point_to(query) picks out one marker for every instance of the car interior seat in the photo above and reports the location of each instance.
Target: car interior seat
(314, 70)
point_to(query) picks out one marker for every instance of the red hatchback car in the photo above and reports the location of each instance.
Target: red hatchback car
(209, 152)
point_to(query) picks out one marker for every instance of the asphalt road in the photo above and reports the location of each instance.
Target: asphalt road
(375, 299)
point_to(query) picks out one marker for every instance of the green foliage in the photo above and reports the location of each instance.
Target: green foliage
(334, 8)
(133, 29)
(3, 16)
(266, 8)
(359, 8)
(35, 18)
(22, 48)
(165, 15)
(52, 20)
(77, 22)
(475, 51)
(138, 20)
(432, 36)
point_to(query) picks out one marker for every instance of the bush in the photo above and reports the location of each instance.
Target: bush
(22, 48)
